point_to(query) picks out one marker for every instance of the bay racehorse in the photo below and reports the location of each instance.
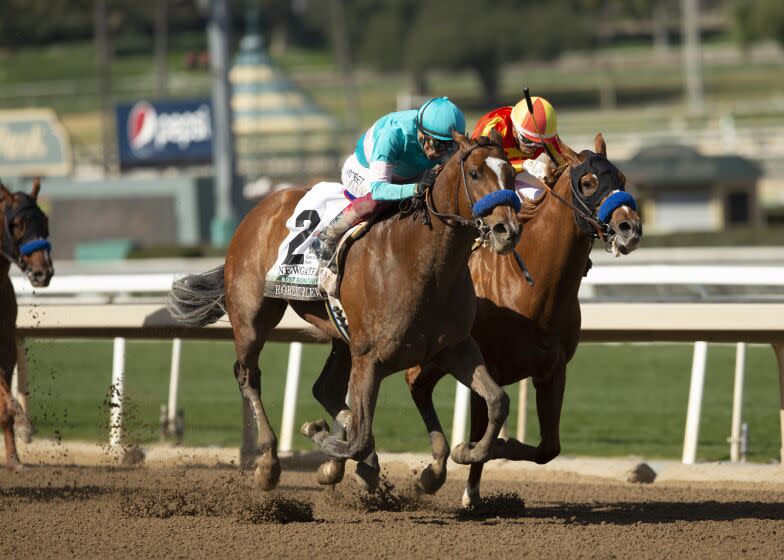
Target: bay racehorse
(24, 229)
(533, 331)
(407, 294)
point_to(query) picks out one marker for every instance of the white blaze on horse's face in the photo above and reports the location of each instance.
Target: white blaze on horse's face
(498, 166)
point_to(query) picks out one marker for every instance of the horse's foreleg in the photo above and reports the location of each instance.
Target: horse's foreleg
(7, 423)
(549, 401)
(465, 363)
(363, 388)
(330, 390)
(249, 338)
(421, 382)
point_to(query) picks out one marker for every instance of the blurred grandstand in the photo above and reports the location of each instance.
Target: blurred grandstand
(692, 107)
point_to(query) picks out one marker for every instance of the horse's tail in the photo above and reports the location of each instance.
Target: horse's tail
(198, 300)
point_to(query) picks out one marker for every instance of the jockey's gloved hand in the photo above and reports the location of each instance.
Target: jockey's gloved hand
(427, 181)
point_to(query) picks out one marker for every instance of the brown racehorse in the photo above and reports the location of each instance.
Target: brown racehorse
(407, 294)
(24, 231)
(532, 331)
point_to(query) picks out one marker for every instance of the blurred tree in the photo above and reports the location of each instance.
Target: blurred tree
(463, 34)
(31, 22)
(754, 20)
(23, 22)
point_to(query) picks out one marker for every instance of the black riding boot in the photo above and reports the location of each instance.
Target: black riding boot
(327, 239)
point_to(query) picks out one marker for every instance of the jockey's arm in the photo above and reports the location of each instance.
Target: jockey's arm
(381, 186)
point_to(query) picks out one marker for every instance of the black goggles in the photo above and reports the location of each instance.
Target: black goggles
(442, 146)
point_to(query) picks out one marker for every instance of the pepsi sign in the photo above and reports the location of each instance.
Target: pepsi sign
(164, 133)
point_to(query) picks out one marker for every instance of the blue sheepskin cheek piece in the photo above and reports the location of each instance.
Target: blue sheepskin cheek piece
(36, 245)
(489, 202)
(615, 201)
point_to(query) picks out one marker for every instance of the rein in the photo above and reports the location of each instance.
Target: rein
(600, 229)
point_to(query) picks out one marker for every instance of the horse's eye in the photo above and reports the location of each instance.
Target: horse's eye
(473, 174)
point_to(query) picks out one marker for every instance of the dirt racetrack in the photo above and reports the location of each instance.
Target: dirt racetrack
(55, 511)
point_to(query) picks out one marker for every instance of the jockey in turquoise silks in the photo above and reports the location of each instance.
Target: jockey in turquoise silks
(393, 160)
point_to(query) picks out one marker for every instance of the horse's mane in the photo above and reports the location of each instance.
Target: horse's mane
(530, 208)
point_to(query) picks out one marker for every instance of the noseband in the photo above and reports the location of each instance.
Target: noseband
(36, 232)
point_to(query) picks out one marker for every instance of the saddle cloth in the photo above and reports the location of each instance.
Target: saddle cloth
(295, 272)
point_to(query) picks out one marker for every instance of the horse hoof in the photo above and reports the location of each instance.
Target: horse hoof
(267, 472)
(471, 497)
(367, 477)
(310, 429)
(345, 418)
(25, 430)
(463, 454)
(330, 472)
(432, 481)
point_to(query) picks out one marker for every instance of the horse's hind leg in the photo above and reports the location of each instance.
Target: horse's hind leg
(330, 390)
(471, 496)
(421, 382)
(549, 401)
(464, 361)
(251, 328)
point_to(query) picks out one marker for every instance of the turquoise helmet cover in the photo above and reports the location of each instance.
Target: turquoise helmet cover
(438, 117)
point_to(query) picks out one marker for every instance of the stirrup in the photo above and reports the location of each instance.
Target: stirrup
(327, 280)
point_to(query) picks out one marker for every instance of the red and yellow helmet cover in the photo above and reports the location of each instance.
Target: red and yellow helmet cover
(501, 120)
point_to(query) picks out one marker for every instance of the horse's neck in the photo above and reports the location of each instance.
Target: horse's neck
(5, 264)
(453, 244)
(5, 270)
(560, 251)
(440, 249)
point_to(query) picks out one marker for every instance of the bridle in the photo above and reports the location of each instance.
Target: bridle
(604, 199)
(36, 232)
(479, 209)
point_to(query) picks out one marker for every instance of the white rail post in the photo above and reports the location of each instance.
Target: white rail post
(778, 348)
(117, 394)
(737, 402)
(19, 384)
(174, 385)
(290, 397)
(695, 402)
(522, 409)
(462, 400)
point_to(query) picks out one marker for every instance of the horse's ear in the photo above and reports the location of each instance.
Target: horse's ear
(36, 187)
(461, 139)
(5, 194)
(495, 136)
(569, 153)
(600, 144)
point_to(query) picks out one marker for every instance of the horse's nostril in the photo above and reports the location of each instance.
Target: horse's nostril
(500, 230)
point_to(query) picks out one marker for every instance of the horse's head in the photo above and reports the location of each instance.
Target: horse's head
(600, 188)
(25, 232)
(485, 195)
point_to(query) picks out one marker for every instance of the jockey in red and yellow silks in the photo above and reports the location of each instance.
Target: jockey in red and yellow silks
(519, 133)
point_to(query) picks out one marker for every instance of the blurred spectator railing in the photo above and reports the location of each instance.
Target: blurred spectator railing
(130, 305)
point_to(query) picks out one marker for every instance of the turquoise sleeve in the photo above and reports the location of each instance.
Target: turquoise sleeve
(381, 190)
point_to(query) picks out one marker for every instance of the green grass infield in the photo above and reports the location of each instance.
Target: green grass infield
(621, 399)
